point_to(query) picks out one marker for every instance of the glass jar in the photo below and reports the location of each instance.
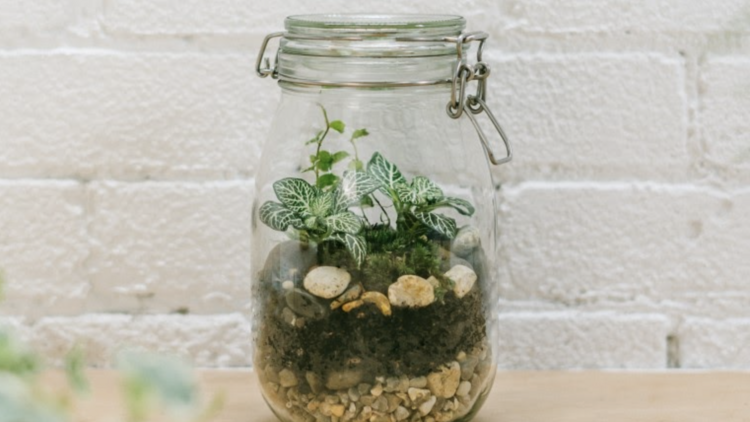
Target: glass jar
(374, 223)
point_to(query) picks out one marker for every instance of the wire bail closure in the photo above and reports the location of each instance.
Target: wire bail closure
(459, 100)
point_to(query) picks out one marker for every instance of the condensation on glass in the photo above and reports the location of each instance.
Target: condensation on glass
(374, 222)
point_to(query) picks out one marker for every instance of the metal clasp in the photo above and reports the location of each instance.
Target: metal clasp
(475, 104)
(267, 70)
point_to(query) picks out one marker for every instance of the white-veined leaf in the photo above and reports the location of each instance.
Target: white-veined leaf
(321, 204)
(345, 222)
(385, 172)
(356, 245)
(440, 223)
(277, 216)
(405, 193)
(354, 186)
(294, 194)
(462, 206)
(425, 189)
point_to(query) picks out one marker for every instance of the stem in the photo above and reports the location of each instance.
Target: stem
(382, 209)
(320, 142)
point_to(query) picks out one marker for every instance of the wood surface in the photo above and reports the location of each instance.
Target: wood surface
(517, 397)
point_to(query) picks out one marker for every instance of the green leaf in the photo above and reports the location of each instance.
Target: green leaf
(322, 204)
(354, 186)
(462, 206)
(425, 190)
(337, 125)
(326, 180)
(277, 216)
(295, 194)
(366, 202)
(359, 133)
(316, 139)
(439, 223)
(311, 222)
(356, 165)
(405, 193)
(384, 172)
(356, 245)
(345, 222)
(339, 156)
(324, 161)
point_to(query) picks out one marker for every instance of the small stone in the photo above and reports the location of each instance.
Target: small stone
(364, 388)
(353, 394)
(313, 405)
(349, 295)
(299, 322)
(325, 409)
(288, 316)
(418, 382)
(314, 381)
(391, 384)
(366, 412)
(381, 404)
(287, 285)
(434, 282)
(367, 400)
(287, 378)
(429, 419)
(342, 380)
(338, 410)
(271, 374)
(463, 389)
(379, 418)
(327, 282)
(273, 387)
(418, 394)
(411, 291)
(444, 383)
(393, 402)
(332, 399)
(377, 390)
(468, 366)
(461, 356)
(466, 240)
(426, 407)
(305, 304)
(463, 277)
(403, 384)
(401, 413)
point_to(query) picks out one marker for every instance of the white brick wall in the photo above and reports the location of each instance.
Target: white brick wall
(131, 131)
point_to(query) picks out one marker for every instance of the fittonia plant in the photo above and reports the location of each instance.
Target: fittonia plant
(320, 212)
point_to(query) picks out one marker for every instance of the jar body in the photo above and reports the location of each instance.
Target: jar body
(380, 306)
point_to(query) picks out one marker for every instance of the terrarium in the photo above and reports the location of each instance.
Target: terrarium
(374, 222)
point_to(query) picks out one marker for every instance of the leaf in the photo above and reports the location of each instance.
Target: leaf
(324, 161)
(316, 139)
(321, 205)
(345, 222)
(356, 245)
(384, 172)
(337, 125)
(439, 223)
(295, 194)
(311, 222)
(462, 206)
(425, 190)
(356, 165)
(326, 180)
(360, 133)
(405, 193)
(354, 186)
(339, 156)
(277, 216)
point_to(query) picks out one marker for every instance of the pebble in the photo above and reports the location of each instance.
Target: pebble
(463, 389)
(287, 285)
(426, 407)
(338, 410)
(401, 413)
(353, 394)
(391, 384)
(468, 366)
(288, 260)
(327, 282)
(340, 380)
(418, 382)
(463, 277)
(305, 304)
(272, 375)
(377, 390)
(411, 291)
(288, 316)
(467, 239)
(314, 381)
(444, 383)
(364, 388)
(381, 404)
(287, 378)
(418, 394)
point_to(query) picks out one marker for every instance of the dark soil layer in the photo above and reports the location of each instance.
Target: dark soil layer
(412, 342)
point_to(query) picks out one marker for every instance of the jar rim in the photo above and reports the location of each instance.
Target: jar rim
(374, 24)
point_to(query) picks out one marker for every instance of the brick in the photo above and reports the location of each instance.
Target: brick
(567, 340)
(725, 105)
(164, 247)
(550, 16)
(584, 117)
(707, 343)
(131, 116)
(23, 17)
(43, 247)
(207, 341)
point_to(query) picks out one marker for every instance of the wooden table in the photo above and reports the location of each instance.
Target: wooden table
(517, 397)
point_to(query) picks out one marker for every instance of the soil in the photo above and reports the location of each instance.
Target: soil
(411, 342)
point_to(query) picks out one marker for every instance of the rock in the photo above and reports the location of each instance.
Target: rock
(287, 285)
(338, 410)
(434, 282)
(391, 384)
(349, 295)
(353, 394)
(401, 413)
(468, 366)
(271, 374)
(444, 383)
(463, 389)
(288, 261)
(288, 316)
(305, 304)
(314, 381)
(411, 291)
(377, 390)
(364, 389)
(419, 382)
(427, 406)
(381, 404)
(287, 378)
(403, 384)
(467, 239)
(367, 400)
(418, 394)
(464, 279)
(327, 282)
(345, 379)
(393, 402)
